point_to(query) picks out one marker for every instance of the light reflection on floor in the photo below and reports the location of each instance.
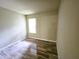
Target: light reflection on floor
(19, 50)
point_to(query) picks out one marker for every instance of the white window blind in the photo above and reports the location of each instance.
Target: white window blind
(32, 25)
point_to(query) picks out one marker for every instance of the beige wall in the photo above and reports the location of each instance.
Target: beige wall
(46, 25)
(12, 27)
(68, 30)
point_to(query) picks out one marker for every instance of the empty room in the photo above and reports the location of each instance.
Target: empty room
(39, 29)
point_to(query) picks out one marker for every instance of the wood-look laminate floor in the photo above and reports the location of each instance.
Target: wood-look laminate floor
(45, 49)
(26, 50)
(19, 50)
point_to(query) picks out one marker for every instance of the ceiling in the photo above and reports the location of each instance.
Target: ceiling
(30, 6)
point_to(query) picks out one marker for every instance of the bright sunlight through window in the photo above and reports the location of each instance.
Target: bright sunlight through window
(32, 25)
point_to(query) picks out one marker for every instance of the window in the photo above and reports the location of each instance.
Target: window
(32, 25)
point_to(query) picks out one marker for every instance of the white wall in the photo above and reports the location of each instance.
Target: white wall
(12, 27)
(68, 30)
(46, 25)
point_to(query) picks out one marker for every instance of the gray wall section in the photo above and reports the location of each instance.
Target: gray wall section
(12, 27)
(68, 30)
(46, 25)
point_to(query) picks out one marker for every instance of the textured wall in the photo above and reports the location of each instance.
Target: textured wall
(12, 26)
(46, 25)
(68, 30)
